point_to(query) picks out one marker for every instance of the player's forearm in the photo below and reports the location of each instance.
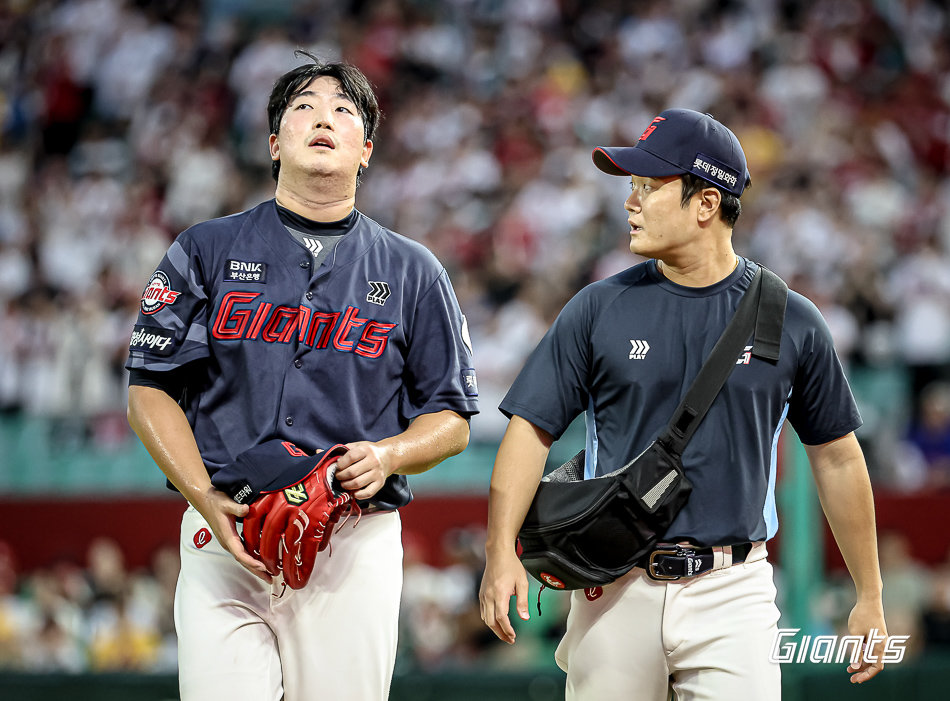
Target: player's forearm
(844, 489)
(430, 439)
(163, 428)
(519, 466)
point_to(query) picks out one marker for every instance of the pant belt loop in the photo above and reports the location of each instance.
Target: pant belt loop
(722, 557)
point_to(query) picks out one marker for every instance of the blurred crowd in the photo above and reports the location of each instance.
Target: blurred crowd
(99, 615)
(124, 121)
(916, 597)
(93, 615)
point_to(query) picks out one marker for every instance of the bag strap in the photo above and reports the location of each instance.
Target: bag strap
(762, 311)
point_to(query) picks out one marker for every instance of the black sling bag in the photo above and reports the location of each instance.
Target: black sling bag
(582, 533)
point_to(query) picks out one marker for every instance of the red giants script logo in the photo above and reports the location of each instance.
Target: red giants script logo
(202, 538)
(552, 581)
(649, 129)
(157, 293)
(244, 317)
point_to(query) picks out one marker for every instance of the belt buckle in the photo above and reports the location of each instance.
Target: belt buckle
(653, 573)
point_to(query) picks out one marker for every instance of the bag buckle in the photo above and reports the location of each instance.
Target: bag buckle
(651, 565)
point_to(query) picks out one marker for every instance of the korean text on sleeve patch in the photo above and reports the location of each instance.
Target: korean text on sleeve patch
(152, 339)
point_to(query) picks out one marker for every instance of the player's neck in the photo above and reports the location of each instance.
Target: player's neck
(316, 206)
(699, 271)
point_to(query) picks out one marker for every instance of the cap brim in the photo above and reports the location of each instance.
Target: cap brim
(629, 160)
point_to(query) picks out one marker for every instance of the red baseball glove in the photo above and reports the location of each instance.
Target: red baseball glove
(288, 525)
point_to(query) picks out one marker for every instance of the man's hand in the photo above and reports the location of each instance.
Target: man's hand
(867, 619)
(221, 513)
(504, 576)
(363, 470)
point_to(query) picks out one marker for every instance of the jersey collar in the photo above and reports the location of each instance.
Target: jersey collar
(358, 238)
(684, 291)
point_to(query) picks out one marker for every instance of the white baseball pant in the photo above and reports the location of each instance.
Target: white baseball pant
(707, 638)
(244, 640)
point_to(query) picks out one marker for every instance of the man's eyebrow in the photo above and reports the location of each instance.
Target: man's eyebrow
(310, 93)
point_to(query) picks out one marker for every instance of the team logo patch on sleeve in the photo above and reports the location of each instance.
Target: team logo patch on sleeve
(158, 293)
(152, 340)
(469, 384)
(245, 271)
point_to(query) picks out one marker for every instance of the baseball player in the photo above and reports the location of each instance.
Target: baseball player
(303, 321)
(699, 613)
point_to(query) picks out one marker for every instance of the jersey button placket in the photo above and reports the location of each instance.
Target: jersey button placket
(305, 264)
(298, 363)
(289, 421)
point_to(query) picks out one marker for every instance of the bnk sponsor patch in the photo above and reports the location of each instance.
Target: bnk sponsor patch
(244, 271)
(152, 339)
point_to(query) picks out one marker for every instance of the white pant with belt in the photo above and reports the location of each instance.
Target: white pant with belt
(244, 640)
(708, 637)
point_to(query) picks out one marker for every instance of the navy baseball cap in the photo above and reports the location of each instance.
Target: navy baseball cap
(681, 141)
(269, 467)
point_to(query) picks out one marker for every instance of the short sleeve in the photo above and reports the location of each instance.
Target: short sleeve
(440, 373)
(821, 405)
(172, 325)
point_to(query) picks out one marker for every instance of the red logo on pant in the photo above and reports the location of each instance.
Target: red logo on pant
(594, 593)
(202, 538)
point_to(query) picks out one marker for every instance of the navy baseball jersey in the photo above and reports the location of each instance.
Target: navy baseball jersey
(625, 350)
(351, 349)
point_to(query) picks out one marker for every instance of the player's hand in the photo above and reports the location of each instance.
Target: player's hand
(221, 513)
(364, 468)
(866, 619)
(504, 576)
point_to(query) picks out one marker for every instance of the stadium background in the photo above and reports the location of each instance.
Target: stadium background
(124, 121)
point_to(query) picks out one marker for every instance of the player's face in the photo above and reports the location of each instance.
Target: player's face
(321, 133)
(659, 225)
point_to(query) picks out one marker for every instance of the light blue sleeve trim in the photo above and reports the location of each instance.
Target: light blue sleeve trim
(769, 511)
(590, 453)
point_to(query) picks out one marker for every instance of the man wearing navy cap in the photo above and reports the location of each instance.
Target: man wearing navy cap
(624, 351)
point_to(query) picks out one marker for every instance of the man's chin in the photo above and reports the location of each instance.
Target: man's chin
(329, 173)
(638, 249)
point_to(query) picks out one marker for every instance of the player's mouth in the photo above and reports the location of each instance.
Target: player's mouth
(322, 142)
(635, 228)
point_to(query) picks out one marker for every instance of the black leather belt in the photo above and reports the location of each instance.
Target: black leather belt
(672, 562)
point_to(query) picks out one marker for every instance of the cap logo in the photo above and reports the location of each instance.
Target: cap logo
(293, 450)
(711, 169)
(650, 129)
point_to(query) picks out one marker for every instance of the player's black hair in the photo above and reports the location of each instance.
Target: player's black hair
(729, 209)
(355, 85)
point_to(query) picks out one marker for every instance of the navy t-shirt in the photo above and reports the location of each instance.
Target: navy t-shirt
(625, 350)
(277, 347)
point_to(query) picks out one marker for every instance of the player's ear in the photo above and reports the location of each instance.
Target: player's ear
(274, 147)
(367, 152)
(710, 199)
